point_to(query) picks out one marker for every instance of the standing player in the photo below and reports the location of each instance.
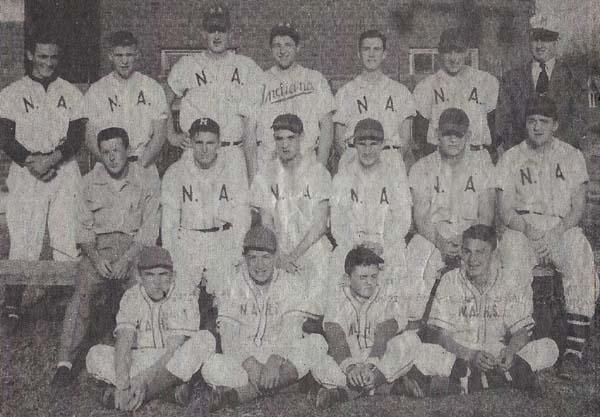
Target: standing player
(117, 214)
(128, 99)
(41, 130)
(291, 88)
(218, 79)
(205, 211)
(542, 186)
(373, 94)
(292, 194)
(457, 85)
(260, 323)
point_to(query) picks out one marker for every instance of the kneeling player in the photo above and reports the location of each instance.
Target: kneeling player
(260, 324)
(486, 320)
(158, 344)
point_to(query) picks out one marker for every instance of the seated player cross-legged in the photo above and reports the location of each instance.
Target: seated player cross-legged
(158, 344)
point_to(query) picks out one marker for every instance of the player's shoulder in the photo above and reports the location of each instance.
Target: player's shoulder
(18, 86)
(316, 170)
(244, 60)
(133, 296)
(428, 82)
(186, 61)
(177, 169)
(66, 86)
(451, 282)
(146, 80)
(565, 148)
(424, 164)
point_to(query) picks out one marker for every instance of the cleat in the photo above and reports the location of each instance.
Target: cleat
(63, 377)
(327, 397)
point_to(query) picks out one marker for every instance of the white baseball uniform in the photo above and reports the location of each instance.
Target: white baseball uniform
(205, 214)
(385, 100)
(474, 91)
(259, 321)
(130, 104)
(42, 119)
(541, 186)
(297, 90)
(292, 198)
(154, 322)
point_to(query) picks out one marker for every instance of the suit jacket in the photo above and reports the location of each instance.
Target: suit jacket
(517, 87)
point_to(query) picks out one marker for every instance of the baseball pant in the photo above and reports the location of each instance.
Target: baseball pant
(185, 362)
(226, 369)
(397, 360)
(87, 288)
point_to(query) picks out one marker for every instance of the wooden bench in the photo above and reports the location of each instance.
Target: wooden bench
(44, 273)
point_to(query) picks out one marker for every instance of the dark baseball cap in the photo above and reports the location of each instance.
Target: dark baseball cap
(544, 28)
(284, 29)
(368, 129)
(154, 257)
(289, 122)
(543, 106)
(452, 39)
(216, 18)
(204, 124)
(260, 238)
(453, 121)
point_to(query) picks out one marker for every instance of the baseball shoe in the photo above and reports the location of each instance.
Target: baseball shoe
(107, 398)
(222, 397)
(12, 320)
(570, 366)
(63, 377)
(413, 384)
(182, 394)
(524, 378)
(458, 382)
(326, 397)
(198, 403)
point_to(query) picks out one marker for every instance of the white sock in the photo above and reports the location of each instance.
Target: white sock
(66, 364)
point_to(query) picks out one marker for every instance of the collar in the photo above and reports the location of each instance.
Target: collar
(529, 151)
(353, 299)
(192, 168)
(44, 82)
(115, 78)
(549, 65)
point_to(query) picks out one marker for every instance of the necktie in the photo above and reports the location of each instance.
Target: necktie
(541, 87)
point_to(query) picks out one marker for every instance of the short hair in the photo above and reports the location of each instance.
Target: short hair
(44, 36)
(372, 33)
(122, 38)
(360, 256)
(284, 29)
(482, 232)
(111, 133)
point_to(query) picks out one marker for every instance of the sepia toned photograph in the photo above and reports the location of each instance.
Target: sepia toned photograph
(327, 208)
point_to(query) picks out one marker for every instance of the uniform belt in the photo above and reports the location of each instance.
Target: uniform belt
(536, 212)
(385, 148)
(225, 226)
(231, 143)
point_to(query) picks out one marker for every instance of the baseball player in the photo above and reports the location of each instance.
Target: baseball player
(291, 88)
(205, 211)
(260, 324)
(485, 319)
(457, 85)
(373, 94)
(117, 214)
(128, 99)
(542, 186)
(292, 194)
(219, 79)
(369, 206)
(158, 344)
(41, 129)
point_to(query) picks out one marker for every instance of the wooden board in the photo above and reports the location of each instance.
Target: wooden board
(45, 273)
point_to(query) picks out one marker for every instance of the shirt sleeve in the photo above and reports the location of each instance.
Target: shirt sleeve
(444, 305)
(161, 108)
(8, 108)
(409, 107)
(76, 111)
(519, 307)
(492, 87)
(580, 174)
(129, 310)
(176, 78)
(147, 234)
(260, 196)
(171, 207)
(85, 216)
(322, 185)
(422, 97)
(327, 101)
(341, 109)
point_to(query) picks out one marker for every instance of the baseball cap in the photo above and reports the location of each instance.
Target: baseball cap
(452, 40)
(453, 121)
(368, 129)
(204, 124)
(260, 238)
(543, 106)
(216, 18)
(289, 122)
(361, 255)
(284, 29)
(153, 257)
(543, 28)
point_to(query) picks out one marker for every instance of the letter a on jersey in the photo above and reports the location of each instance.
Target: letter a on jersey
(559, 173)
(62, 102)
(236, 76)
(223, 194)
(473, 96)
(470, 185)
(390, 104)
(141, 98)
(384, 197)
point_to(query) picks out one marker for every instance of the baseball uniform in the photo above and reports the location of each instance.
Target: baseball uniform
(300, 91)
(385, 100)
(260, 321)
(292, 198)
(472, 90)
(41, 118)
(205, 214)
(154, 322)
(130, 104)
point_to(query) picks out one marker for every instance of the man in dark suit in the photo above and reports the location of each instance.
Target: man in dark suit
(544, 75)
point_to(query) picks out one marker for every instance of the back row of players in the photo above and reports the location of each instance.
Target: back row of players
(280, 145)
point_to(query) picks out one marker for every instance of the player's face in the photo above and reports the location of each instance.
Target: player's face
(156, 282)
(540, 129)
(453, 61)
(261, 265)
(44, 60)
(113, 154)
(369, 151)
(363, 280)
(543, 51)
(287, 145)
(452, 144)
(217, 38)
(284, 51)
(123, 59)
(372, 53)
(206, 148)
(476, 257)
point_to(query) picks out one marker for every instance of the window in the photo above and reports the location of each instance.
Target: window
(426, 61)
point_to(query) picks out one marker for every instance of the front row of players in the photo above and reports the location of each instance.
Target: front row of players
(367, 346)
